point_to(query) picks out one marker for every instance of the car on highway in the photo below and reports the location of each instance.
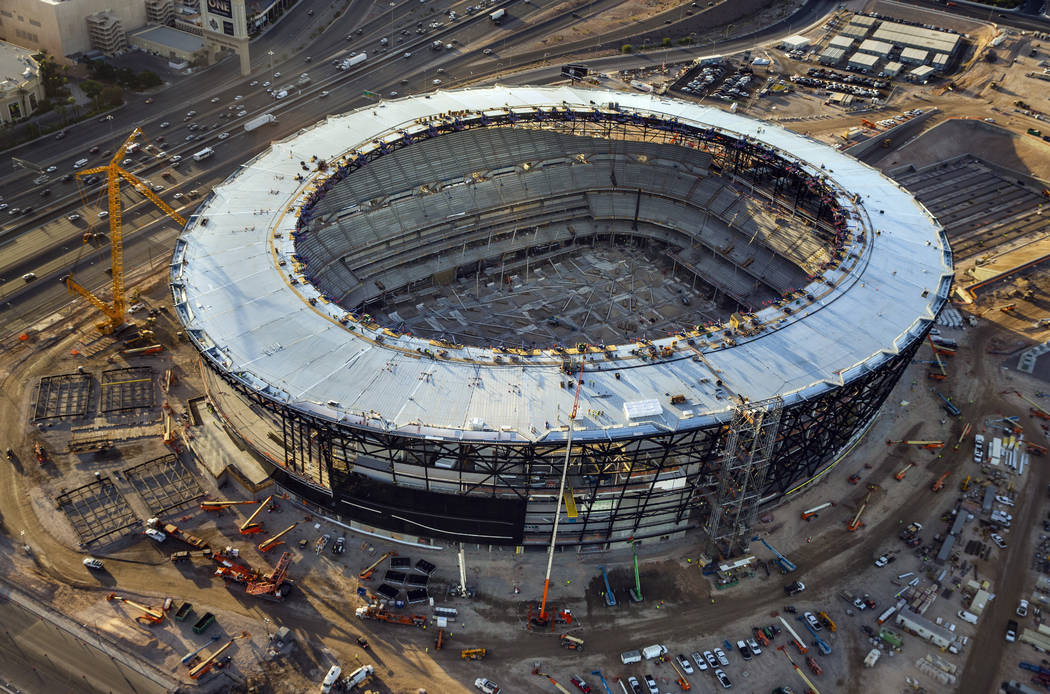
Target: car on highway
(242, 114)
(128, 161)
(650, 683)
(165, 124)
(214, 100)
(1022, 608)
(73, 217)
(436, 82)
(487, 51)
(276, 75)
(92, 563)
(177, 157)
(13, 211)
(253, 83)
(238, 97)
(223, 135)
(266, 84)
(393, 93)
(51, 169)
(60, 134)
(723, 679)
(684, 662)
(178, 196)
(578, 682)
(3, 205)
(149, 100)
(45, 192)
(324, 94)
(189, 138)
(408, 54)
(720, 654)
(103, 214)
(29, 276)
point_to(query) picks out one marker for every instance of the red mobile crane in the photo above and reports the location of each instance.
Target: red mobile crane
(543, 617)
(377, 613)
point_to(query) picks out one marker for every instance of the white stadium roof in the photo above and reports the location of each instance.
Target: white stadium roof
(230, 280)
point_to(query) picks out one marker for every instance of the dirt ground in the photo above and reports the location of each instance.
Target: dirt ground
(682, 608)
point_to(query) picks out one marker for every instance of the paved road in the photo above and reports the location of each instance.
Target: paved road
(36, 656)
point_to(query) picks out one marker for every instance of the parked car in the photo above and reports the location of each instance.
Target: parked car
(812, 620)
(701, 664)
(650, 682)
(745, 652)
(1011, 631)
(793, 588)
(1022, 608)
(684, 662)
(753, 645)
(711, 659)
(723, 679)
(340, 546)
(882, 561)
(487, 686)
(636, 688)
(722, 659)
(998, 540)
(92, 563)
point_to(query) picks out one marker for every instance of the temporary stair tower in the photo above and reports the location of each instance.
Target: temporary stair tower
(742, 475)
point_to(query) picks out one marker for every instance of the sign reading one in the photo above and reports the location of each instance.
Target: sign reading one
(220, 7)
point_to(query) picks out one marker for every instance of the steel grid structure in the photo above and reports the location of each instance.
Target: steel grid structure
(63, 395)
(97, 511)
(164, 483)
(126, 389)
(629, 481)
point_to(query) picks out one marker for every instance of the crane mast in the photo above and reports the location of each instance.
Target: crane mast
(114, 313)
(561, 493)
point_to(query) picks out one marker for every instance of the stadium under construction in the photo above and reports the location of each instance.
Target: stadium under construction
(422, 314)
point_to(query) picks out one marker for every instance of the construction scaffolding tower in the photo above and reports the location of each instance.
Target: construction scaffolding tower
(742, 476)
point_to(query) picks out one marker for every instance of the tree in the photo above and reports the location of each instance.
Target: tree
(666, 41)
(112, 95)
(91, 88)
(148, 79)
(627, 48)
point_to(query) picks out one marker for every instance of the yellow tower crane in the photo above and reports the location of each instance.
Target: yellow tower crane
(114, 313)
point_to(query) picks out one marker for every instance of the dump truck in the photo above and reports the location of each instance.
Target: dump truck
(259, 121)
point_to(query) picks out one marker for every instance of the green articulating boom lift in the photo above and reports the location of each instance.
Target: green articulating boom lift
(636, 592)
